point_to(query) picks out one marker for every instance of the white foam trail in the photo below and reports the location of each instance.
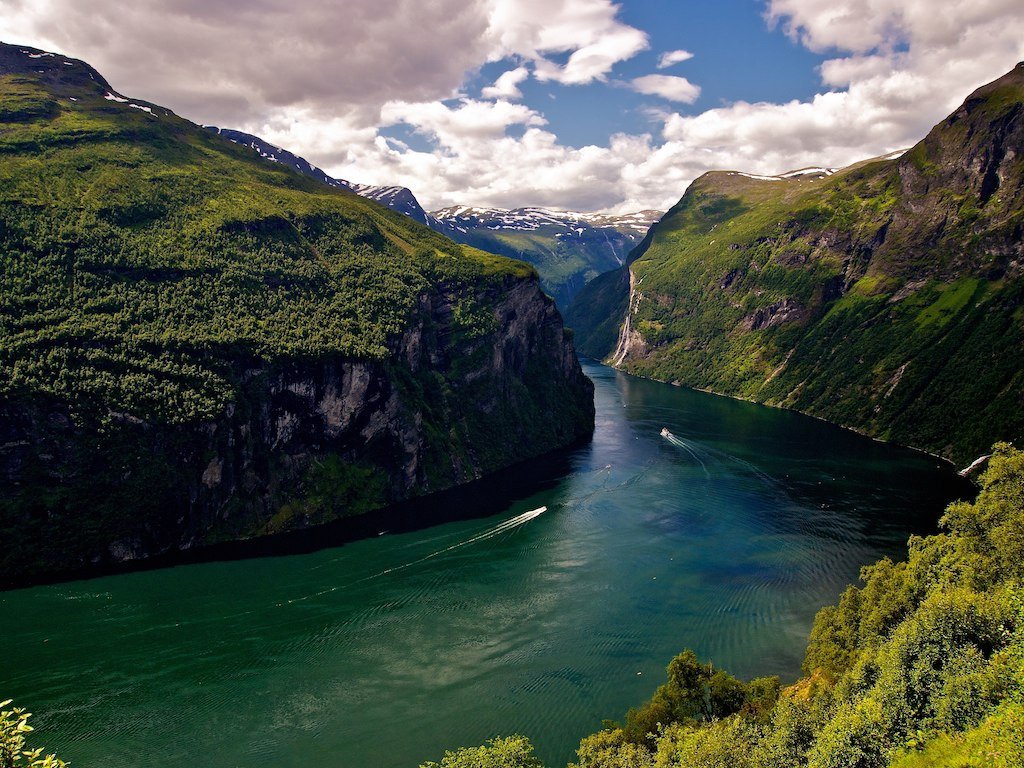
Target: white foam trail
(507, 525)
(679, 443)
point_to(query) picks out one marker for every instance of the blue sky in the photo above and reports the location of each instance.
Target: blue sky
(404, 91)
(736, 57)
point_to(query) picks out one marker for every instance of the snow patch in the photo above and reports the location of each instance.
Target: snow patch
(808, 172)
(755, 176)
(119, 99)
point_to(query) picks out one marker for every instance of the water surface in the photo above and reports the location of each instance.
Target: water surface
(725, 537)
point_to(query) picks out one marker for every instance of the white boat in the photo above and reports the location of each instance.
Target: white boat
(665, 432)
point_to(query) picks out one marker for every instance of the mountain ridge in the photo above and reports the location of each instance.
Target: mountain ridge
(884, 296)
(199, 346)
(568, 248)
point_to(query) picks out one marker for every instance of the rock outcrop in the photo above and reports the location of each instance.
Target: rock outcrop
(197, 346)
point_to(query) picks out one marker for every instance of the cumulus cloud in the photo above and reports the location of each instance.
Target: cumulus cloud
(232, 63)
(669, 58)
(507, 85)
(667, 86)
(588, 30)
(324, 79)
(463, 127)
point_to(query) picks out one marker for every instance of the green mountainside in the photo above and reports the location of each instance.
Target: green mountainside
(567, 249)
(922, 666)
(197, 345)
(886, 297)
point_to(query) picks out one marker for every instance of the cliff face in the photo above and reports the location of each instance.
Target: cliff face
(885, 296)
(198, 346)
(302, 443)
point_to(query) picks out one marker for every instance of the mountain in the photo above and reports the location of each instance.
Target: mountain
(886, 296)
(197, 345)
(568, 249)
(398, 199)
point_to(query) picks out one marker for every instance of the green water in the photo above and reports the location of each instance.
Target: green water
(725, 538)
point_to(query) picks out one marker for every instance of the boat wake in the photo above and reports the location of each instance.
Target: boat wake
(490, 533)
(692, 450)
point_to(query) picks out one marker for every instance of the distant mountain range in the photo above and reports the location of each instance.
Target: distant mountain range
(568, 249)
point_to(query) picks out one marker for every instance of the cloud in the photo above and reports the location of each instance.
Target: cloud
(461, 128)
(507, 85)
(668, 87)
(324, 79)
(230, 63)
(669, 58)
(588, 30)
(221, 61)
(860, 26)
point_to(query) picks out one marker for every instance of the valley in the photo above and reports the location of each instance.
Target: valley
(300, 470)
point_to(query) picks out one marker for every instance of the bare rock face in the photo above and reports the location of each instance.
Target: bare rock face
(305, 441)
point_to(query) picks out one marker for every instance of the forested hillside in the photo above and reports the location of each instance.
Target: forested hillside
(196, 345)
(886, 296)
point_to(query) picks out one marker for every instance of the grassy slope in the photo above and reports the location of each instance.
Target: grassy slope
(153, 279)
(142, 255)
(885, 297)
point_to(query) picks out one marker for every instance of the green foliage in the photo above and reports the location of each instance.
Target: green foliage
(332, 488)
(14, 751)
(883, 297)
(694, 693)
(142, 258)
(508, 752)
(611, 749)
(159, 286)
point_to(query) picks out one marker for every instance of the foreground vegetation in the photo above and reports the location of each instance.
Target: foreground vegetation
(920, 665)
(14, 749)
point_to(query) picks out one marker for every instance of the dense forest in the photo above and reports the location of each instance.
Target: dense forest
(922, 664)
(198, 345)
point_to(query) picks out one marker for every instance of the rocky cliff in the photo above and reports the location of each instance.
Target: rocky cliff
(885, 296)
(197, 347)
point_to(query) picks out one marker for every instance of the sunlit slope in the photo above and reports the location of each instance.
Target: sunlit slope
(192, 334)
(885, 297)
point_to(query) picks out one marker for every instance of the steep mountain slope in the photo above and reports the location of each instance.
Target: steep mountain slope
(197, 345)
(568, 249)
(399, 199)
(886, 297)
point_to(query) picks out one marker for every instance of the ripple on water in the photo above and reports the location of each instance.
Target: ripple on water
(726, 539)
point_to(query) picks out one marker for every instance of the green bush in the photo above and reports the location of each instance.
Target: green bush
(14, 750)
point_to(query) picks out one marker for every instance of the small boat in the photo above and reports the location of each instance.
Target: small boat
(665, 432)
